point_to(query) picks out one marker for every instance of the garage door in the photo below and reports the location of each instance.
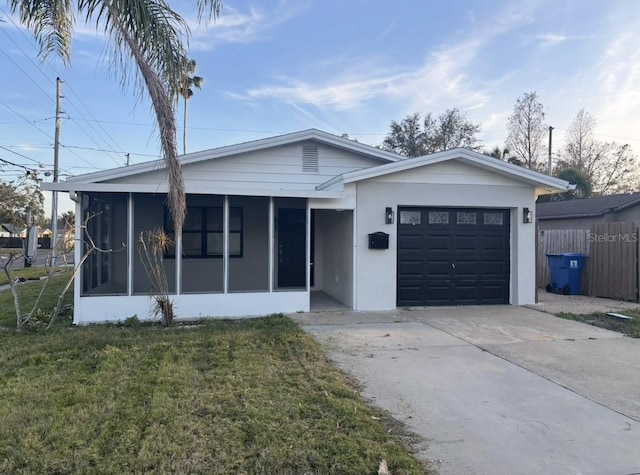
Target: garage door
(453, 256)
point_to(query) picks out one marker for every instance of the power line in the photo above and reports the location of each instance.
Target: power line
(71, 102)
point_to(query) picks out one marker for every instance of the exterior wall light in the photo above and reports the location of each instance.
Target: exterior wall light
(388, 216)
(527, 216)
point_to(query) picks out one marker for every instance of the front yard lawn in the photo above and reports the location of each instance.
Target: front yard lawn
(248, 396)
(628, 327)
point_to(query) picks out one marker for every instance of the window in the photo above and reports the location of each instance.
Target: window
(203, 232)
(438, 217)
(466, 217)
(410, 217)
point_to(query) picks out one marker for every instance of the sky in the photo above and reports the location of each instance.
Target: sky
(278, 66)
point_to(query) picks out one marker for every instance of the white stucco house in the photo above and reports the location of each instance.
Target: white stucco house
(274, 223)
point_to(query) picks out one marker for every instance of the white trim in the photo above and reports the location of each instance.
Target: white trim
(178, 245)
(78, 249)
(192, 188)
(354, 298)
(230, 150)
(474, 158)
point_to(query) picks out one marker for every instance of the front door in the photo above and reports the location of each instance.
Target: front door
(292, 247)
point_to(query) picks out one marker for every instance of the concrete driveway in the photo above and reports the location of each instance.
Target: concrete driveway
(496, 390)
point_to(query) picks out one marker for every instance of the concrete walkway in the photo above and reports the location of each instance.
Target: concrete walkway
(496, 390)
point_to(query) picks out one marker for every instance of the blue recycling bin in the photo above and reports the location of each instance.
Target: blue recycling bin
(565, 273)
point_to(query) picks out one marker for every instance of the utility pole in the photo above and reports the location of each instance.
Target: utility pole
(128, 155)
(550, 133)
(54, 194)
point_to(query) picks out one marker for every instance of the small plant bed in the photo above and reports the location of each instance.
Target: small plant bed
(628, 327)
(250, 396)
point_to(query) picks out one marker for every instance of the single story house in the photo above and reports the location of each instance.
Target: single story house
(275, 223)
(582, 213)
(9, 230)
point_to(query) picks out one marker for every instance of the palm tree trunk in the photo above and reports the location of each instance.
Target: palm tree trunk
(165, 114)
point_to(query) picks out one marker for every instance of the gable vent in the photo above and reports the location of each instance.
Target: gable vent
(310, 158)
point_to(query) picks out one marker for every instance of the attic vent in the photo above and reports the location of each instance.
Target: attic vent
(310, 158)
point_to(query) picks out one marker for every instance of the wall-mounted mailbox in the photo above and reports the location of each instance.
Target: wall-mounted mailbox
(379, 240)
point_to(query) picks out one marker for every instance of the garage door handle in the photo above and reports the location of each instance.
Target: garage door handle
(453, 265)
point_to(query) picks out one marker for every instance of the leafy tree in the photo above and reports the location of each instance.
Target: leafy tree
(16, 199)
(497, 152)
(609, 166)
(575, 177)
(526, 130)
(146, 35)
(67, 220)
(414, 137)
(190, 81)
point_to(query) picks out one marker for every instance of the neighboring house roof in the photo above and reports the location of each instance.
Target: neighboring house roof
(586, 207)
(10, 228)
(545, 184)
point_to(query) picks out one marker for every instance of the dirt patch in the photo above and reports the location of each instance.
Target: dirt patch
(627, 327)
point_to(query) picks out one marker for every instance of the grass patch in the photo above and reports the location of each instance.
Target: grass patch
(628, 327)
(5, 251)
(28, 292)
(251, 396)
(27, 273)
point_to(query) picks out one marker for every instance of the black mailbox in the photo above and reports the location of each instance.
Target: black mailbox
(379, 240)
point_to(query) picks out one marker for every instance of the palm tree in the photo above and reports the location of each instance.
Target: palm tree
(190, 80)
(144, 34)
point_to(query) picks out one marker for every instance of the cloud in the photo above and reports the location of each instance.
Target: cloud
(553, 39)
(235, 26)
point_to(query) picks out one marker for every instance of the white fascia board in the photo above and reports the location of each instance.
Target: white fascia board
(204, 189)
(548, 183)
(230, 150)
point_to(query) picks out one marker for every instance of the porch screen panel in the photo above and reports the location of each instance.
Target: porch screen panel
(149, 215)
(105, 273)
(202, 258)
(248, 244)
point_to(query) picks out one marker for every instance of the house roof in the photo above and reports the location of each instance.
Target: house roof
(230, 150)
(545, 184)
(586, 207)
(10, 228)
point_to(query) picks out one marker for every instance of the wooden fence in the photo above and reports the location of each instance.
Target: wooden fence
(612, 265)
(613, 262)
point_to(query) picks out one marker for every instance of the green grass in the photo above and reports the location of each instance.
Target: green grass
(628, 327)
(28, 292)
(27, 273)
(251, 396)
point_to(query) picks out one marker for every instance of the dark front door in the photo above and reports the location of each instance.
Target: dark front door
(292, 247)
(453, 256)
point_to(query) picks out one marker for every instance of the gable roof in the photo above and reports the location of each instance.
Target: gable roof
(10, 228)
(586, 207)
(230, 150)
(546, 184)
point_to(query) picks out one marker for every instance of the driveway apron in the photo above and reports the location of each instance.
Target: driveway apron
(496, 390)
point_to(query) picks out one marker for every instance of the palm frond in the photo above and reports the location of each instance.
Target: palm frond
(51, 22)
